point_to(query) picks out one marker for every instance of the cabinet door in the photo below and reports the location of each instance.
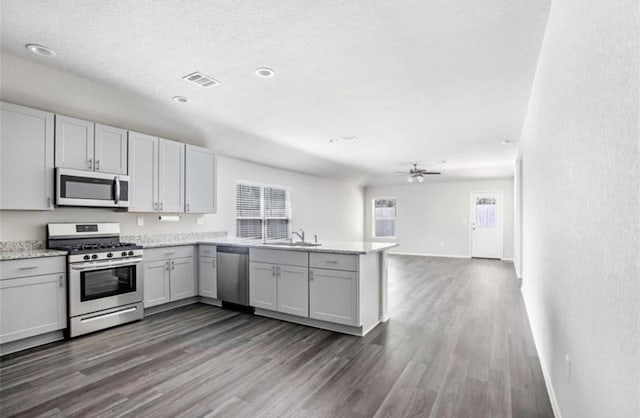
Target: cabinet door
(293, 290)
(110, 149)
(200, 181)
(171, 179)
(74, 143)
(207, 277)
(333, 296)
(31, 306)
(26, 158)
(143, 173)
(156, 283)
(183, 283)
(263, 287)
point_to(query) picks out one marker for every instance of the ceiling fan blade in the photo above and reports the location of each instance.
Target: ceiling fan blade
(431, 172)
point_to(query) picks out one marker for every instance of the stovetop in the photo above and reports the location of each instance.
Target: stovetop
(94, 247)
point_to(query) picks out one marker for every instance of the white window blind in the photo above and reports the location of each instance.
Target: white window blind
(384, 218)
(262, 212)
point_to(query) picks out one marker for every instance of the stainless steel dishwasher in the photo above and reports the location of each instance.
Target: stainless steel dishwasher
(233, 274)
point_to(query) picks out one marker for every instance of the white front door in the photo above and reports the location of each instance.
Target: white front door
(486, 224)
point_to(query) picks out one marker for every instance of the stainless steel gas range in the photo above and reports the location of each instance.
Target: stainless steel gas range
(104, 275)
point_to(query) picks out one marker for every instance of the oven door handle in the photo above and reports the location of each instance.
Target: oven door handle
(98, 264)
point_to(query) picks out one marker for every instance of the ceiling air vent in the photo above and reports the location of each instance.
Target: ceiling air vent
(200, 79)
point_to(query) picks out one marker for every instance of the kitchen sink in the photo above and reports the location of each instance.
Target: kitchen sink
(294, 244)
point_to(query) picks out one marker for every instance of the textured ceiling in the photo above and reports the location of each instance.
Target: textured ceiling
(414, 80)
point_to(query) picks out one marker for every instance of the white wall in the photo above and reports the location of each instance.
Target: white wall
(430, 213)
(329, 208)
(581, 207)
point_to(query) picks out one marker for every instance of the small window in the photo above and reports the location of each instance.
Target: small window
(262, 212)
(486, 212)
(384, 218)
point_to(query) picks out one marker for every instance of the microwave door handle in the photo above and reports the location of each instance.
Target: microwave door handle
(117, 181)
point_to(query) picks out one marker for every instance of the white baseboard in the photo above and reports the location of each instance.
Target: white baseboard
(545, 371)
(429, 255)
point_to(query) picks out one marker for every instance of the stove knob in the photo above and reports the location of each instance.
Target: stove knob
(94, 256)
(109, 255)
(130, 252)
(124, 254)
(86, 257)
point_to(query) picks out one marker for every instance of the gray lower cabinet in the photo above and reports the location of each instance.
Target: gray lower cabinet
(182, 278)
(333, 296)
(34, 304)
(169, 275)
(293, 290)
(207, 277)
(279, 288)
(156, 283)
(263, 285)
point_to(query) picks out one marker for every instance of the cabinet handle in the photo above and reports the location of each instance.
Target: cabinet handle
(155, 205)
(60, 281)
(332, 262)
(28, 268)
(173, 252)
(278, 271)
(173, 265)
(168, 266)
(213, 263)
(160, 206)
(49, 202)
(97, 165)
(273, 270)
(187, 207)
(90, 163)
(310, 274)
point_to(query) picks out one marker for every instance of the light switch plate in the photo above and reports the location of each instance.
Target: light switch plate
(140, 220)
(200, 220)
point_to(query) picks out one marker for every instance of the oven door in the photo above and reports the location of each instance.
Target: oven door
(100, 285)
(88, 188)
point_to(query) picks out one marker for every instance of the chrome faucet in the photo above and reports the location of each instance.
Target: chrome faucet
(300, 235)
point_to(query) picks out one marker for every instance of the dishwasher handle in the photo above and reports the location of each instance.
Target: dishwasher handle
(229, 249)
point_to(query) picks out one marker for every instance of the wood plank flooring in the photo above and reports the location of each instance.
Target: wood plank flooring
(458, 344)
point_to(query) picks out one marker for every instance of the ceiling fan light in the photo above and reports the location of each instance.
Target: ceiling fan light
(420, 179)
(410, 179)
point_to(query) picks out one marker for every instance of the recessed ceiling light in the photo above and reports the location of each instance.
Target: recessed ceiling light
(333, 140)
(264, 72)
(505, 142)
(41, 50)
(181, 99)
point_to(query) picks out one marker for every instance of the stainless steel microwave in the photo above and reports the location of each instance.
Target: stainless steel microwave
(92, 189)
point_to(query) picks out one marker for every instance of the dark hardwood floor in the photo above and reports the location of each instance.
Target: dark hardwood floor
(458, 344)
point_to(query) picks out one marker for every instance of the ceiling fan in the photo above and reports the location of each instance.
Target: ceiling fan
(416, 173)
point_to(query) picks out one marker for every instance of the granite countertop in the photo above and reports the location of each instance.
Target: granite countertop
(337, 247)
(19, 254)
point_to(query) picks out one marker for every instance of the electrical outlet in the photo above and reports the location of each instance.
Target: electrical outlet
(200, 220)
(568, 361)
(140, 220)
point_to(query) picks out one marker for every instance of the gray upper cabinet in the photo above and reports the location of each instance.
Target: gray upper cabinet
(26, 158)
(74, 143)
(110, 149)
(84, 145)
(200, 181)
(156, 167)
(171, 179)
(143, 171)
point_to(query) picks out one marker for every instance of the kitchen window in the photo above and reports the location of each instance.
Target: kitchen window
(384, 218)
(262, 212)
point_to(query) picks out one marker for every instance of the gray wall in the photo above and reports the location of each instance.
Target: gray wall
(432, 213)
(581, 208)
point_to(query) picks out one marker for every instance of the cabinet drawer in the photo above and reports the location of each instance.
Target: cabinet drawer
(165, 253)
(206, 250)
(284, 257)
(13, 269)
(334, 261)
